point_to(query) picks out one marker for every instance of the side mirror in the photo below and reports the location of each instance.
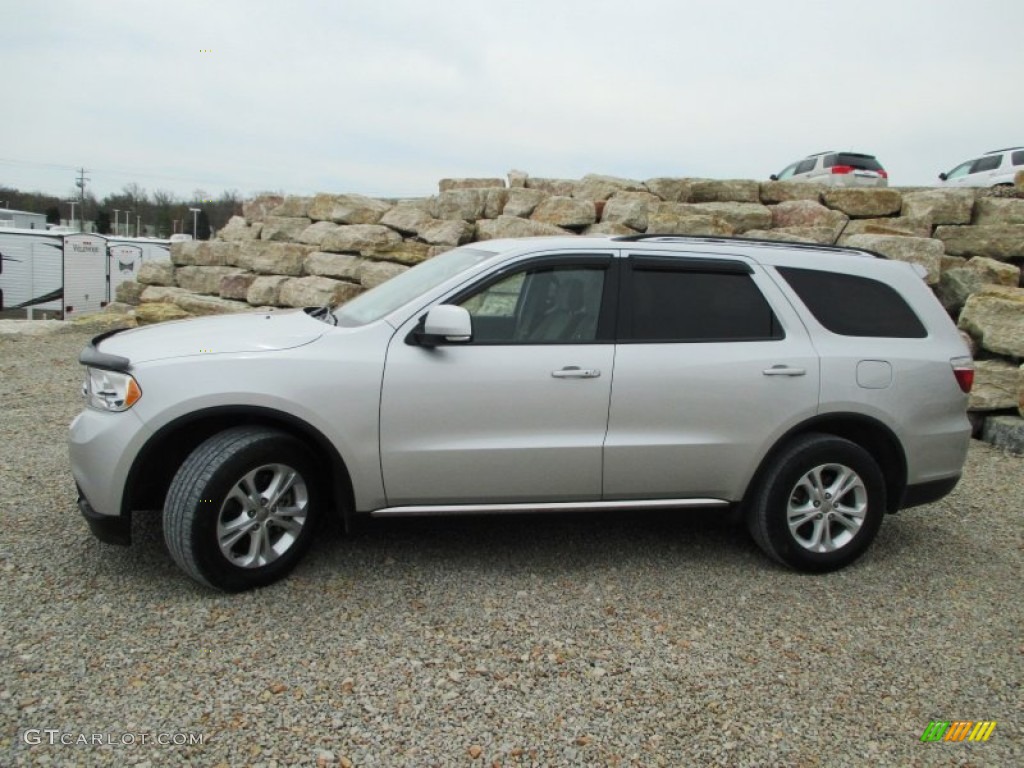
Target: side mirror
(446, 323)
(942, 176)
(774, 177)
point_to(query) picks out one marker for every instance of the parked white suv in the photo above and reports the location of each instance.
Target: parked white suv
(993, 169)
(812, 389)
(836, 169)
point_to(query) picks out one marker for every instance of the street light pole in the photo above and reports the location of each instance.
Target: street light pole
(73, 204)
(195, 218)
(116, 212)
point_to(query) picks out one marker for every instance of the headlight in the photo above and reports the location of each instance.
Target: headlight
(110, 390)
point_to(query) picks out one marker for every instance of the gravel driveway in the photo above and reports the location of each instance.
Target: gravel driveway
(648, 640)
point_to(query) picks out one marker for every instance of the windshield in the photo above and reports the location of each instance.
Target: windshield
(389, 296)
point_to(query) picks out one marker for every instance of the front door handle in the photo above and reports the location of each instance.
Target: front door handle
(575, 372)
(784, 370)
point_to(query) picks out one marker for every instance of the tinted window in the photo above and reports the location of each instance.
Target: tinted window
(861, 162)
(854, 306)
(987, 163)
(1018, 157)
(670, 305)
(806, 165)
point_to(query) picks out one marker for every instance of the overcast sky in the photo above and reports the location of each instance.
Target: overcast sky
(385, 97)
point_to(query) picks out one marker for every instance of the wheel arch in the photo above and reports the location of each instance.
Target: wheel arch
(159, 459)
(869, 433)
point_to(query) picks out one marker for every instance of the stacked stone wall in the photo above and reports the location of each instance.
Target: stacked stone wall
(303, 251)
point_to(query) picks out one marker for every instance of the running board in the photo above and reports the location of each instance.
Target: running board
(568, 506)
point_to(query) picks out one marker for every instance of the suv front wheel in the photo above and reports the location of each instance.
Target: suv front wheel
(819, 504)
(241, 509)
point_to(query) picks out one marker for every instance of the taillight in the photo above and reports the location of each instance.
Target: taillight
(842, 169)
(883, 174)
(963, 369)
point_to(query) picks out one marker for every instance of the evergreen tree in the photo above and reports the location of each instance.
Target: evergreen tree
(102, 222)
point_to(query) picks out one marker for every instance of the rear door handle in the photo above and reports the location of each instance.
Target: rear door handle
(575, 372)
(784, 370)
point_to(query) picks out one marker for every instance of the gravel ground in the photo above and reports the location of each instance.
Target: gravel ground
(648, 640)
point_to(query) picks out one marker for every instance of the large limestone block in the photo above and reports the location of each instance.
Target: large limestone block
(404, 252)
(670, 189)
(238, 229)
(940, 206)
(630, 209)
(347, 209)
(268, 258)
(1018, 180)
(996, 384)
(129, 292)
(517, 179)
(464, 204)
(513, 226)
(774, 192)
(315, 233)
(293, 206)
(159, 312)
(916, 250)
(897, 225)
(316, 291)
(447, 233)
(998, 210)
(678, 219)
(355, 238)
(373, 273)
(343, 266)
(203, 279)
(159, 294)
(862, 202)
(209, 305)
(156, 272)
(522, 202)
(740, 216)
(283, 228)
(260, 207)
(959, 282)
(999, 241)
(1005, 432)
(596, 187)
(407, 219)
(724, 191)
(184, 253)
(204, 253)
(807, 213)
(266, 291)
(236, 286)
(1020, 390)
(565, 212)
(995, 316)
(609, 229)
(557, 187)
(483, 183)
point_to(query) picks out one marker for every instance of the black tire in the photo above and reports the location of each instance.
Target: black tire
(800, 486)
(234, 539)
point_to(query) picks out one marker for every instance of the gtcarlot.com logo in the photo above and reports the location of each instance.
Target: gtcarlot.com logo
(958, 730)
(54, 736)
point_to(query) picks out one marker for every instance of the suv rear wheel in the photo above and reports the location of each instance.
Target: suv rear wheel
(819, 505)
(241, 509)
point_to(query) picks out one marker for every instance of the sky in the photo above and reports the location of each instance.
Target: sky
(386, 97)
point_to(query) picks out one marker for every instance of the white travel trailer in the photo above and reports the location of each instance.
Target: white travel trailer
(67, 274)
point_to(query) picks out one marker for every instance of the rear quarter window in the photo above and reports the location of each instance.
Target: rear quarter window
(851, 305)
(1018, 157)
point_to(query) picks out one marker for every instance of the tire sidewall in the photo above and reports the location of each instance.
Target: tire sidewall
(773, 504)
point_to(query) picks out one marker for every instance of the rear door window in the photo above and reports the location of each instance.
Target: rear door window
(987, 163)
(682, 300)
(850, 305)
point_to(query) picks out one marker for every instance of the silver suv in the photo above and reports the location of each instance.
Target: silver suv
(810, 389)
(836, 169)
(993, 169)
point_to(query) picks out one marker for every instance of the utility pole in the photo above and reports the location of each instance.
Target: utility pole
(81, 196)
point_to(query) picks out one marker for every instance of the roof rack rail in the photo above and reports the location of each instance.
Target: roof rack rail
(746, 241)
(1005, 149)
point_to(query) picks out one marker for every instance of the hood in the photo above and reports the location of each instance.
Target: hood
(246, 332)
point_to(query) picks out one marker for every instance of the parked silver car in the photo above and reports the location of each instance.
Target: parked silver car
(836, 169)
(809, 388)
(993, 169)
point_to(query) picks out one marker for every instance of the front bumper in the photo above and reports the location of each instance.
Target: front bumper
(106, 528)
